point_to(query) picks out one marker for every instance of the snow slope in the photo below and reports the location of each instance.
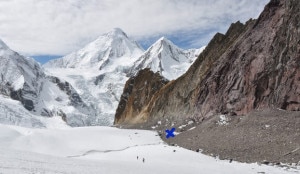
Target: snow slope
(99, 71)
(106, 150)
(12, 112)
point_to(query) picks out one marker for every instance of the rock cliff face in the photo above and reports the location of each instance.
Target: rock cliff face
(253, 66)
(137, 93)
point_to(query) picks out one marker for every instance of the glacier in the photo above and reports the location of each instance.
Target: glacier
(88, 150)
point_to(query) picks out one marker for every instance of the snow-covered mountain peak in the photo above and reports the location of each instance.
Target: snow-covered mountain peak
(99, 53)
(163, 48)
(166, 58)
(117, 32)
(163, 42)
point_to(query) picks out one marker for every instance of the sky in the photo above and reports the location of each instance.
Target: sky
(47, 29)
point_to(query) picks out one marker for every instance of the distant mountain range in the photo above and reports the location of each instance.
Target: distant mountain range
(85, 87)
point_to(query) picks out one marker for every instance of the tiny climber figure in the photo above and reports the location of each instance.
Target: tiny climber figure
(137, 157)
(143, 160)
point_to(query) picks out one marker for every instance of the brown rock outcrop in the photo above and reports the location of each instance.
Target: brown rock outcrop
(252, 66)
(137, 93)
(261, 69)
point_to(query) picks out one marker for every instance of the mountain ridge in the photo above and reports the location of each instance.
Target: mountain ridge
(24, 80)
(221, 80)
(100, 83)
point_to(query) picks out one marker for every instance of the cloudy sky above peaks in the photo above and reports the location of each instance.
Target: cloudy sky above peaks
(58, 27)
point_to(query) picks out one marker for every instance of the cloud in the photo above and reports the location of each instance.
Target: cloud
(60, 26)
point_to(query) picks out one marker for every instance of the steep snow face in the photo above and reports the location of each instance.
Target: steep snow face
(19, 73)
(24, 80)
(166, 58)
(106, 50)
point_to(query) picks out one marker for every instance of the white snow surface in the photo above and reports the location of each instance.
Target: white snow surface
(19, 83)
(108, 150)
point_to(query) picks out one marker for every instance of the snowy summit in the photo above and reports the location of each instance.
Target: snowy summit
(104, 50)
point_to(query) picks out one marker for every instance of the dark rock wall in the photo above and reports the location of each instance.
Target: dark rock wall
(261, 70)
(252, 66)
(137, 93)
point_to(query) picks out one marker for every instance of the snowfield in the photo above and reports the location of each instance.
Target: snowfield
(106, 150)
